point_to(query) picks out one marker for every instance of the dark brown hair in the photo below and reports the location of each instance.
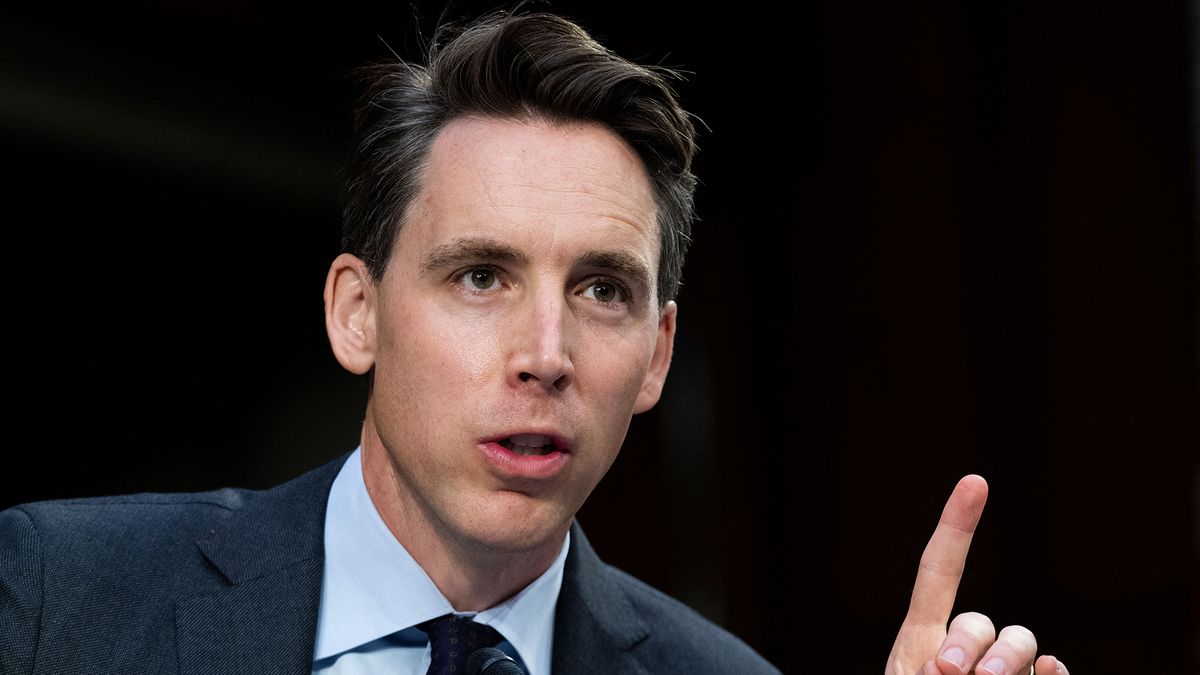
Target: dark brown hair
(511, 65)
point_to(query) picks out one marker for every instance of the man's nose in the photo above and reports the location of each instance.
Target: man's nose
(541, 346)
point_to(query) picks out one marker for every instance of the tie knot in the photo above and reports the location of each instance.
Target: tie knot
(452, 640)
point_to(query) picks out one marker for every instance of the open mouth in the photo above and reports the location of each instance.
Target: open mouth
(528, 444)
(527, 455)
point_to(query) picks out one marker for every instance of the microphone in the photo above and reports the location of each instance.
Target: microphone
(492, 661)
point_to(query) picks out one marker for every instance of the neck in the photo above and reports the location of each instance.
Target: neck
(472, 575)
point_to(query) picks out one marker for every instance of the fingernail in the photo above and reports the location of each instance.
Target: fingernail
(996, 666)
(956, 656)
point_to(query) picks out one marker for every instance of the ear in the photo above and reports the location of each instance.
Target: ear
(350, 313)
(660, 362)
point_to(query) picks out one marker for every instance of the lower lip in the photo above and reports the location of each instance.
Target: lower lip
(523, 466)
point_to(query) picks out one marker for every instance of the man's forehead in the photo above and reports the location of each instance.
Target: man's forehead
(530, 186)
(517, 160)
(470, 134)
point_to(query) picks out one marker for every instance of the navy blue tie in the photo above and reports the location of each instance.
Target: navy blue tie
(452, 640)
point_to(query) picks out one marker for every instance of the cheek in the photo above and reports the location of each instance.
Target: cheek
(472, 350)
(436, 359)
(621, 361)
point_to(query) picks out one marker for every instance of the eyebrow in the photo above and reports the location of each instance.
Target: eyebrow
(462, 251)
(475, 249)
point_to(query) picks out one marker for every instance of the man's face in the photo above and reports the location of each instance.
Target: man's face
(520, 301)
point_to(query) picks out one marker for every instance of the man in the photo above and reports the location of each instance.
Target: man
(517, 219)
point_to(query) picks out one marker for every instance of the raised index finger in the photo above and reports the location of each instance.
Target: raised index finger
(946, 554)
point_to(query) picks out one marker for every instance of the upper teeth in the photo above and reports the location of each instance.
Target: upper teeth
(530, 440)
(528, 444)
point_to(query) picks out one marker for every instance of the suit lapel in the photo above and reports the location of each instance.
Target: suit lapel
(266, 560)
(596, 625)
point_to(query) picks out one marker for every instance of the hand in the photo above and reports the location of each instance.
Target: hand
(923, 646)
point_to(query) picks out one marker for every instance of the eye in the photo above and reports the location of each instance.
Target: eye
(480, 279)
(606, 291)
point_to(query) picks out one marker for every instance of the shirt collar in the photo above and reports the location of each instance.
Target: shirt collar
(372, 587)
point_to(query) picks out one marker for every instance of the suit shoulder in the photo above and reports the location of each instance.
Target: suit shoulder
(683, 636)
(224, 498)
(134, 509)
(126, 527)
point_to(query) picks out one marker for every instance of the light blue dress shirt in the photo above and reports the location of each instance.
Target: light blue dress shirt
(373, 594)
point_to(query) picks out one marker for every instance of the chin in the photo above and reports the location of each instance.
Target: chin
(516, 523)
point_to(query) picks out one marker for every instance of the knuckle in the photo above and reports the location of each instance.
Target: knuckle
(956, 526)
(1020, 637)
(976, 625)
(940, 567)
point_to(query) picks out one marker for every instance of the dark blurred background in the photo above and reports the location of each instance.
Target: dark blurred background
(935, 240)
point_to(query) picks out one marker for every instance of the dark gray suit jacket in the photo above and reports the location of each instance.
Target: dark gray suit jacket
(229, 581)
